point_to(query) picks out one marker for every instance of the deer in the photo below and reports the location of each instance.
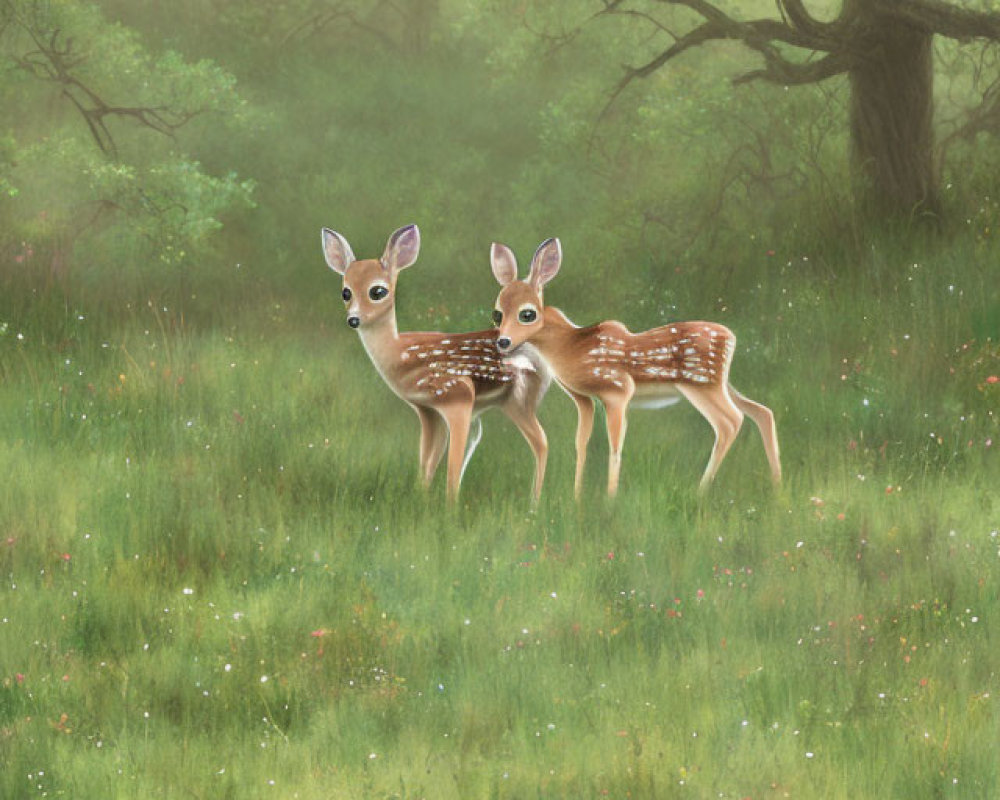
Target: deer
(621, 369)
(448, 379)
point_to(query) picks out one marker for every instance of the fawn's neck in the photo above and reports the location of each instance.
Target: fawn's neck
(555, 335)
(381, 342)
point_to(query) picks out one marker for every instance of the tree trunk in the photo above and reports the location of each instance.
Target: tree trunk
(891, 116)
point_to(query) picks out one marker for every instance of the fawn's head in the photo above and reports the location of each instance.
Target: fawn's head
(518, 314)
(370, 285)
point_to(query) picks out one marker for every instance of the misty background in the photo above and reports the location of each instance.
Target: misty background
(150, 147)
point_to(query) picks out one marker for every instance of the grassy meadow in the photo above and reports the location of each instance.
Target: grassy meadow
(221, 578)
(219, 575)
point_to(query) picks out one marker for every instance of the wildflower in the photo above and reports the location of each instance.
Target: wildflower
(61, 725)
(993, 379)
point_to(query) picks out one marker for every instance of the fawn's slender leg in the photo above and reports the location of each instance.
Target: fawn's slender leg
(764, 420)
(433, 436)
(584, 427)
(616, 409)
(532, 430)
(457, 415)
(475, 435)
(718, 408)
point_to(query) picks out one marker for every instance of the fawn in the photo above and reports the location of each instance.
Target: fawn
(606, 361)
(449, 379)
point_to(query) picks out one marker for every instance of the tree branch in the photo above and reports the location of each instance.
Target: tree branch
(795, 12)
(337, 12)
(53, 62)
(792, 74)
(759, 35)
(612, 9)
(944, 19)
(983, 118)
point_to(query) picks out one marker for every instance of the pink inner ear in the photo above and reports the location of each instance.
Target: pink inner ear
(545, 264)
(403, 249)
(503, 263)
(337, 251)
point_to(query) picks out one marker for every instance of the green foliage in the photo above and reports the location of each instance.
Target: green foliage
(106, 171)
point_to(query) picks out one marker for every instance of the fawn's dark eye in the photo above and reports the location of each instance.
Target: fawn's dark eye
(497, 316)
(346, 294)
(378, 292)
(527, 315)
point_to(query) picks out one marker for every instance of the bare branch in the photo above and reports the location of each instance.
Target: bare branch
(704, 33)
(944, 19)
(318, 22)
(612, 9)
(795, 12)
(97, 130)
(759, 35)
(983, 118)
(790, 74)
(53, 62)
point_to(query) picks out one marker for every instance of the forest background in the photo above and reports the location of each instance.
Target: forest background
(220, 577)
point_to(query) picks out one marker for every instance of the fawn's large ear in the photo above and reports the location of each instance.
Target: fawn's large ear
(402, 248)
(339, 255)
(504, 263)
(545, 263)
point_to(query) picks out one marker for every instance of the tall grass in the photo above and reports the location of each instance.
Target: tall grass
(222, 580)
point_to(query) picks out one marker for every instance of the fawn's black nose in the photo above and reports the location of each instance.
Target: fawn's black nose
(503, 342)
(354, 321)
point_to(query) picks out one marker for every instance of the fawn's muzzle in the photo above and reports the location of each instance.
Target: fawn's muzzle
(503, 343)
(354, 321)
